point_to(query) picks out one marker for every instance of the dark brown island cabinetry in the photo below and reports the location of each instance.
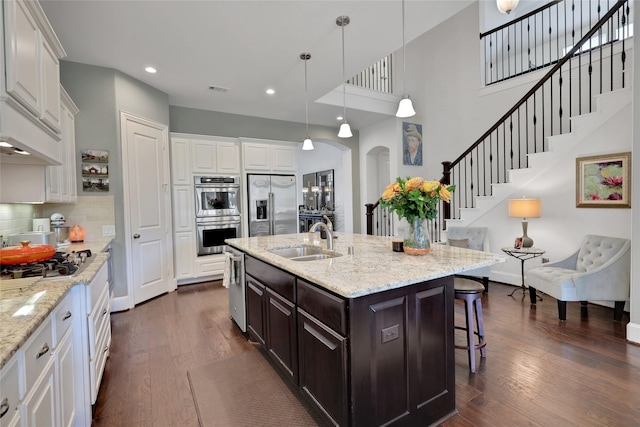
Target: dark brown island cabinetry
(379, 359)
(271, 314)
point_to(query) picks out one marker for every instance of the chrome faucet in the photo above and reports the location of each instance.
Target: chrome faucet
(328, 228)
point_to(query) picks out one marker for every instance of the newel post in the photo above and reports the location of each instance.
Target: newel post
(369, 214)
(446, 179)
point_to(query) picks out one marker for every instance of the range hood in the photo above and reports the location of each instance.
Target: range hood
(26, 133)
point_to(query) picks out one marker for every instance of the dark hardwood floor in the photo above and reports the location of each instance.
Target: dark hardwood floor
(538, 371)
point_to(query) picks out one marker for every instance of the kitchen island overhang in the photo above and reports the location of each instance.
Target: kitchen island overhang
(368, 336)
(373, 267)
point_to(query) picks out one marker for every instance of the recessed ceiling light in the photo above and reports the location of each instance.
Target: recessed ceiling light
(151, 70)
(5, 144)
(339, 118)
(270, 91)
(19, 151)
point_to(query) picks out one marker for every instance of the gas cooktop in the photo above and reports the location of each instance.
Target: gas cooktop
(61, 264)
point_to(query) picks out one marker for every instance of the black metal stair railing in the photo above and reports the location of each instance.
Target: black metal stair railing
(594, 65)
(539, 38)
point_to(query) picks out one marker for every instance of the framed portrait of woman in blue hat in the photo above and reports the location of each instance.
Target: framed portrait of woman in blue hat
(411, 144)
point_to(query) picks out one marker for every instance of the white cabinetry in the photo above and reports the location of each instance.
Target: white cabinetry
(9, 394)
(37, 363)
(193, 155)
(60, 181)
(215, 156)
(269, 156)
(30, 114)
(181, 161)
(98, 326)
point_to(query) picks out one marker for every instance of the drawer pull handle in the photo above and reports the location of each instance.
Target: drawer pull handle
(4, 407)
(104, 312)
(45, 350)
(106, 348)
(67, 315)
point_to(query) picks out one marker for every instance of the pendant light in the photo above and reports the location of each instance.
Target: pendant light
(405, 107)
(345, 129)
(506, 6)
(307, 144)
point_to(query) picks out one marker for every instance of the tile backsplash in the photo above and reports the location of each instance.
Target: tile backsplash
(90, 212)
(17, 218)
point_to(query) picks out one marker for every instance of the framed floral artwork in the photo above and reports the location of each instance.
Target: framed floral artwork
(603, 181)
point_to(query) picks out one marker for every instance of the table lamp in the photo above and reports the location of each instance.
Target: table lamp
(525, 208)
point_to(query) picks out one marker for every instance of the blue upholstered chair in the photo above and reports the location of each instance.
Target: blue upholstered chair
(475, 238)
(599, 271)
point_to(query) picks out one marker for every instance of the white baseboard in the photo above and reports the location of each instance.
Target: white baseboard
(633, 332)
(120, 304)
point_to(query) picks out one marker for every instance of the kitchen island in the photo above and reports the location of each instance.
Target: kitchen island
(366, 336)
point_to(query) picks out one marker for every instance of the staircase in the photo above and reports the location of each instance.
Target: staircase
(559, 147)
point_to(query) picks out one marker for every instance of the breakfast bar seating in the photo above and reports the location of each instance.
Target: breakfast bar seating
(470, 292)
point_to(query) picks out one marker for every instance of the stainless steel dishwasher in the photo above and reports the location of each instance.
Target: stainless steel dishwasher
(237, 298)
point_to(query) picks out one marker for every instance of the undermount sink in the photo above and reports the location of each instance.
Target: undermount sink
(304, 253)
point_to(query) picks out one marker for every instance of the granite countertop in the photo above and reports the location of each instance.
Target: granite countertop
(373, 267)
(23, 309)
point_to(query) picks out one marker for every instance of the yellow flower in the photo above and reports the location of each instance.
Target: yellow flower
(445, 194)
(388, 193)
(413, 183)
(429, 187)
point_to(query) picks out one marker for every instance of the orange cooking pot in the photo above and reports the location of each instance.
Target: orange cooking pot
(25, 253)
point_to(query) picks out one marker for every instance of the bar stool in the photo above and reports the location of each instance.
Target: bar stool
(471, 292)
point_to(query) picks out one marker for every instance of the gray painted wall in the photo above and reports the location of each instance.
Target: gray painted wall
(100, 94)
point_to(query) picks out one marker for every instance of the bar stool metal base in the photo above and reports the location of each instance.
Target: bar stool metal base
(470, 292)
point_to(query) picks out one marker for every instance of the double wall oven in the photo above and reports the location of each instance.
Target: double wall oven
(217, 212)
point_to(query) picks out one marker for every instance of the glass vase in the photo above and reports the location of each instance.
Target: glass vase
(417, 240)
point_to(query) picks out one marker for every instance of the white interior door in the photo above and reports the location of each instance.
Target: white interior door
(148, 214)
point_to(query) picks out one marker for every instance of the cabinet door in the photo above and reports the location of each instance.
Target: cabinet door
(323, 361)
(66, 367)
(228, 157)
(284, 159)
(184, 253)
(255, 310)
(181, 162)
(184, 215)
(257, 157)
(23, 71)
(210, 265)
(9, 392)
(282, 341)
(203, 156)
(50, 113)
(69, 131)
(40, 402)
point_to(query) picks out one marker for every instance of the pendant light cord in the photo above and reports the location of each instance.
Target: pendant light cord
(344, 86)
(404, 55)
(306, 99)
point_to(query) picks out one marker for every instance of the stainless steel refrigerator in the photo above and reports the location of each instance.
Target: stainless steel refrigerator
(272, 204)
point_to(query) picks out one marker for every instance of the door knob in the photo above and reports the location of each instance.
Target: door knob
(136, 236)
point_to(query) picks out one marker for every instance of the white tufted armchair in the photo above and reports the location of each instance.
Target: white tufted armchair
(475, 238)
(599, 271)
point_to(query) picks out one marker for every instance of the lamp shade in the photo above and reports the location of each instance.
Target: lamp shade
(525, 208)
(405, 108)
(506, 6)
(307, 144)
(345, 131)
